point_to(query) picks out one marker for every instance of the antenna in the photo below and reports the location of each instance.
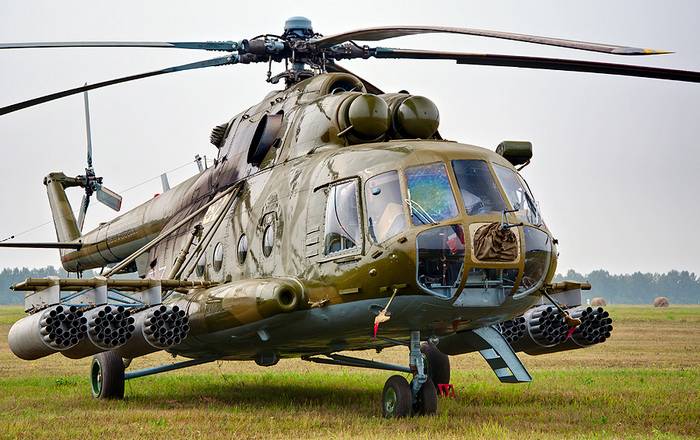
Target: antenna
(164, 181)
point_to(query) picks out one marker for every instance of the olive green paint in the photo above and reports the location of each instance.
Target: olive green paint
(322, 141)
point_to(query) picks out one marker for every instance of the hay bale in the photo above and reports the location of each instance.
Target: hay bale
(599, 302)
(661, 301)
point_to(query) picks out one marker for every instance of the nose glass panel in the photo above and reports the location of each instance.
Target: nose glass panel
(538, 253)
(441, 259)
(487, 287)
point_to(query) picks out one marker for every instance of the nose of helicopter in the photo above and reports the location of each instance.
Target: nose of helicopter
(481, 262)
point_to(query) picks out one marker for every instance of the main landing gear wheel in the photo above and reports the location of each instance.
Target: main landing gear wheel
(426, 400)
(107, 376)
(396, 398)
(438, 364)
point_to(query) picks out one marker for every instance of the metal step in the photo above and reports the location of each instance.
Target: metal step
(500, 356)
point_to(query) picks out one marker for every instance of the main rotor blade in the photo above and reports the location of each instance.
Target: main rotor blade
(384, 32)
(84, 203)
(221, 61)
(226, 46)
(540, 63)
(371, 88)
(108, 197)
(10, 244)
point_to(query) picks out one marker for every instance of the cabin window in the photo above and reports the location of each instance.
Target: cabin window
(242, 250)
(385, 215)
(477, 187)
(429, 194)
(268, 239)
(201, 263)
(342, 224)
(218, 257)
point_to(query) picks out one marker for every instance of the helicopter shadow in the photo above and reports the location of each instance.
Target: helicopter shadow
(184, 394)
(316, 395)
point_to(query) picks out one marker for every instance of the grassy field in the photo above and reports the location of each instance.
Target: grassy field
(642, 383)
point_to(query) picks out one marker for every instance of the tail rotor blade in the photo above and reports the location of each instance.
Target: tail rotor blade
(87, 129)
(108, 197)
(83, 210)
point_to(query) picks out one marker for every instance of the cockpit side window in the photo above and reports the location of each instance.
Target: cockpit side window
(518, 194)
(430, 194)
(477, 187)
(342, 225)
(385, 215)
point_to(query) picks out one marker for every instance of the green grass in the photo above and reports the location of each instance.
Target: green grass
(10, 314)
(637, 385)
(687, 313)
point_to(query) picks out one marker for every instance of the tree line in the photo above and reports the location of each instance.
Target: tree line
(681, 287)
(10, 276)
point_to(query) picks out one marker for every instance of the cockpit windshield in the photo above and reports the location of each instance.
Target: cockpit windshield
(518, 194)
(477, 187)
(429, 194)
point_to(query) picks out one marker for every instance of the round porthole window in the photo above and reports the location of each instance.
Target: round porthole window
(218, 257)
(242, 248)
(200, 265)
(268, 240)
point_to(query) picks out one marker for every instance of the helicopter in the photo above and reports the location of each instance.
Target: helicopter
(335, 218)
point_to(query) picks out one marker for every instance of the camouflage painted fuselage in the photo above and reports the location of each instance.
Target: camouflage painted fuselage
(338, 293)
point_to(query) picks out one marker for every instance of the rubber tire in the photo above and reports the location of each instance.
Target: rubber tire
(437, 364)
(396, 398)
(107, 376)
(426, 400)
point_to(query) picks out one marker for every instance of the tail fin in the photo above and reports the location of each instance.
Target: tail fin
(63, 218)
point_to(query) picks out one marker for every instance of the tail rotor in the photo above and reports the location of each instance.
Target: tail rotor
(90, 182)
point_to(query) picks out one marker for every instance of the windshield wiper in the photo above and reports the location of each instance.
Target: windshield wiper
(420, 211)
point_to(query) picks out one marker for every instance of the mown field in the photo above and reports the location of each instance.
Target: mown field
(642, 383)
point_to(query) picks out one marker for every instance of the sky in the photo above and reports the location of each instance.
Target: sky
(616, 160)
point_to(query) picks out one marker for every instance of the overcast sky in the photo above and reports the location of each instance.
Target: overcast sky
(617, 160)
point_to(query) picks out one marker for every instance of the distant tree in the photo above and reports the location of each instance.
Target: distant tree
(10, 276)
(639, 288)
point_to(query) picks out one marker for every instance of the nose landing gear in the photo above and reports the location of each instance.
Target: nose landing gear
(401, 399)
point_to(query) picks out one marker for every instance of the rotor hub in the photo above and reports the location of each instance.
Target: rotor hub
(299, 26)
